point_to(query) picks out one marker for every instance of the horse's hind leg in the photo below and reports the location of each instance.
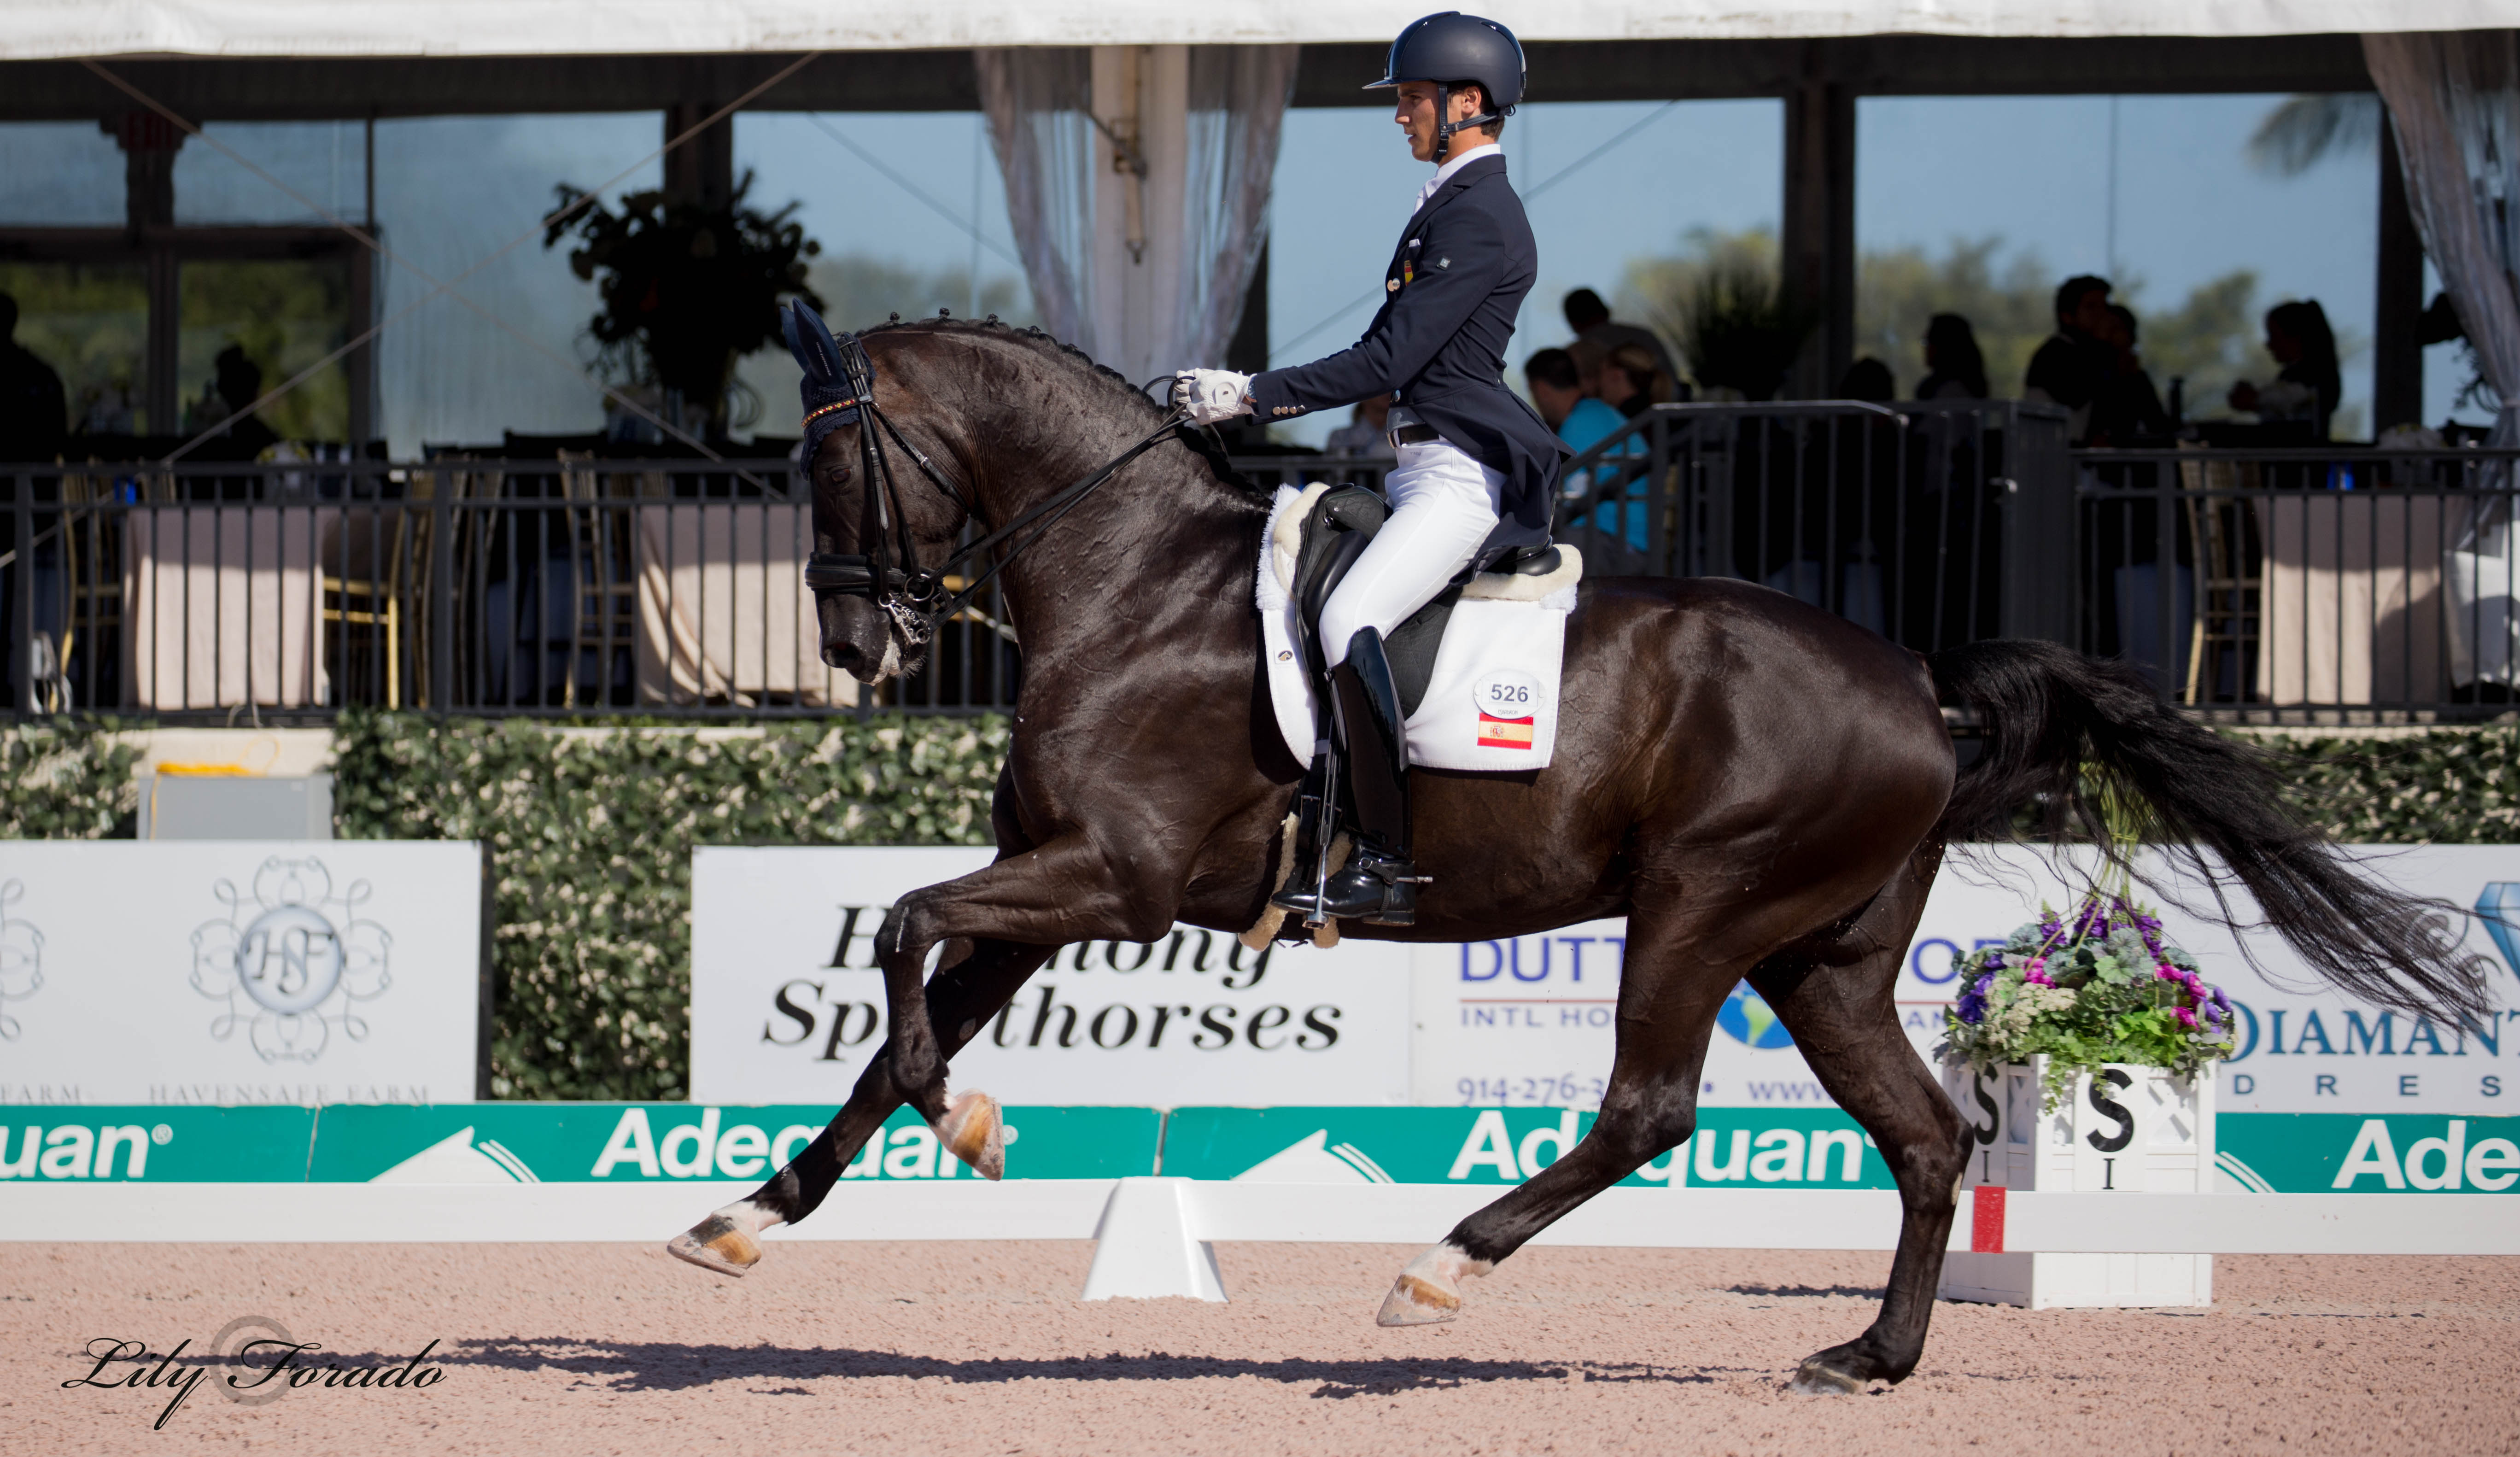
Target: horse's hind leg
(1674, 984)
(1836, 998)
(964, 997)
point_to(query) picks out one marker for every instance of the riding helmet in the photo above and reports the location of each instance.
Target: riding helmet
(1453, 47)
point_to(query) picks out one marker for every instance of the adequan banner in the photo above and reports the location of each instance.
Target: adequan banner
(208, 972)
(787, 1005)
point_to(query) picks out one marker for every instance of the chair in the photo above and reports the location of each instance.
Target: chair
(2227, 589)
(381, 594)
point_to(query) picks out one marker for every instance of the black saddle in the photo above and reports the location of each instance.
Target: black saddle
(1335, 534)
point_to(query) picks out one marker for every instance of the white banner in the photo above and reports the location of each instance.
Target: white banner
(1529, 1021)
(173, 972)
(786, 1005)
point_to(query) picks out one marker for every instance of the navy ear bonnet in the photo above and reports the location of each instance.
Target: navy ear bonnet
(830, 393)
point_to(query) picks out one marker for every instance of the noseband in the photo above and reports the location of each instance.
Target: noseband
(915, 596)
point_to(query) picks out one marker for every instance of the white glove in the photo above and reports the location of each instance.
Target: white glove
(1212, 396)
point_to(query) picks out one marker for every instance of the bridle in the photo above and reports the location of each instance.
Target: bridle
(915, 596)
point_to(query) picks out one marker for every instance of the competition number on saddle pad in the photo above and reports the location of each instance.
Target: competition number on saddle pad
(1491, 703)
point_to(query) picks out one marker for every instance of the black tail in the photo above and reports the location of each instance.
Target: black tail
(2061, 726)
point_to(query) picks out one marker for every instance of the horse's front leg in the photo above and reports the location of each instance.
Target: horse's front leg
(964, 996)
(1065, 891)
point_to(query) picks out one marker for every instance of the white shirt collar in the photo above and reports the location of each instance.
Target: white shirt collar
(1455, 164)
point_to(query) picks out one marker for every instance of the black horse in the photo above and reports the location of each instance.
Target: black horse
(1763, 790)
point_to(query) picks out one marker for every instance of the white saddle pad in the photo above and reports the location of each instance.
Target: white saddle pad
(1492, 703)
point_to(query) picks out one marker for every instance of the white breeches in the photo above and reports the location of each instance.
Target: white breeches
(1443, 505)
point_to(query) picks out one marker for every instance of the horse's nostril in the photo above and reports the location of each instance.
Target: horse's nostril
(843, 656)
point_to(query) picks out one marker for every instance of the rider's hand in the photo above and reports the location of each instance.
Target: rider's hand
(1212, 396)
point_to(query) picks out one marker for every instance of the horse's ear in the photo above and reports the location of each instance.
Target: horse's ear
(810, 341)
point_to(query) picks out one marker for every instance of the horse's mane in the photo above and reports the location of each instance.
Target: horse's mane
(1106, 382)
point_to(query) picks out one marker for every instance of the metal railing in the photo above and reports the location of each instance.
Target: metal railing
(2338, 585)
(1930, 524)
(2313, 586)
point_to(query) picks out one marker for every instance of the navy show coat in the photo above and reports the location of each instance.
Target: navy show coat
(1456, 282)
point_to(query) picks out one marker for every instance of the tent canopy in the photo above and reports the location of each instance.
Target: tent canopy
(51, 29)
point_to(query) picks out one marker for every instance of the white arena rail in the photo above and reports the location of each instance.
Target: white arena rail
(1154, 1234)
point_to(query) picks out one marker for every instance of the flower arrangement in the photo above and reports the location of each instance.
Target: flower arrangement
(2100, 987)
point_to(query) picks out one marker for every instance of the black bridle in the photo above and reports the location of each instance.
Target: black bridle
(915, 596)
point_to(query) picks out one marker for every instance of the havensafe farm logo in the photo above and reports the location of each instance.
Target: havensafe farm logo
(291, 961)
(22, 958)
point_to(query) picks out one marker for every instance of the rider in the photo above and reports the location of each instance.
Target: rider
(1478, 468)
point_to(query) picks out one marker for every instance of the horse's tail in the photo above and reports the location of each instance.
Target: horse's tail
(2062, 730)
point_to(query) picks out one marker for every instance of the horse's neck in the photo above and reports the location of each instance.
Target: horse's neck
(1147, 554)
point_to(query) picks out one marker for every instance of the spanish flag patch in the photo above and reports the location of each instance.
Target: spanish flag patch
(1504, 733)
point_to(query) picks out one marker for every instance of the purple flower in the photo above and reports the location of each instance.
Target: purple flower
(2187, 1018)
(1972, 1006)
(2037, 972)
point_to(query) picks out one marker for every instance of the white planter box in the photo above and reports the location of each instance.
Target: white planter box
(2135, 1130)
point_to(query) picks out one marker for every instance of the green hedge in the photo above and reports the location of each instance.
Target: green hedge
(591, 831)
(591, 835)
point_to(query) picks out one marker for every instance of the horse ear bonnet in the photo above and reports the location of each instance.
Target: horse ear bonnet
(825, 383)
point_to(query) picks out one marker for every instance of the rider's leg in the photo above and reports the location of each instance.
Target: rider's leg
(1444, 505)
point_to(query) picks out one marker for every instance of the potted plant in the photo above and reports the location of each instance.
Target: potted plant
(688, 290)
(2079, 1052)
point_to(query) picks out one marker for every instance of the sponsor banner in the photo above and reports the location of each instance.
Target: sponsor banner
(787, 1006)
(1529, 1021)
(206, 972)
(2348, 1153)
(640, 1142)
(1749, 1148)
(166, 1144)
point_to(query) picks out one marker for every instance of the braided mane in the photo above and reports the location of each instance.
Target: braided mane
(1053, 350)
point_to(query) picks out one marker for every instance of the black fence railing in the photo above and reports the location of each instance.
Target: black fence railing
(2338, 585)
(2335, 585)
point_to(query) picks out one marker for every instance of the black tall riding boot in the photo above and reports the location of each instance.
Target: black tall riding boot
(1377, 885)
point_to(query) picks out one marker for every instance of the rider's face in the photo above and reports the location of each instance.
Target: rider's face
(1416, 114)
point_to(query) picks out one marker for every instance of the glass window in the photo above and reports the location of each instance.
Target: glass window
(89, 324)
(60, 175)
(324, 161)
(281, 318)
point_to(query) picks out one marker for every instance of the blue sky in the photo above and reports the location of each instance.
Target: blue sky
(2033, 171)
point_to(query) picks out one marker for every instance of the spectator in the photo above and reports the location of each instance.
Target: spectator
(34, 413)
(1589, 357)
(1366, 434)
(1582, 422)
(2308, 390)
(1867, 378)
(1955, 369)
(1590, 320)
(2070, 368)
(1631, 383)
(239, 384)
(2128, 410)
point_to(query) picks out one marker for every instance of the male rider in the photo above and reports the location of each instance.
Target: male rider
(1478, 470)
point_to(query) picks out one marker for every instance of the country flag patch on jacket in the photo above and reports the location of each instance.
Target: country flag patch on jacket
(1504, 733)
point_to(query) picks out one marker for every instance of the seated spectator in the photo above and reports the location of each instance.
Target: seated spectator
(1867, 378)
(1367, 434)
(1631, 383)
(2071, 366)
(2128, 410)
(1582, 422)
(1590, 320)
(237, 385)
(2308, 390)
(1955, 369)
(33, 413)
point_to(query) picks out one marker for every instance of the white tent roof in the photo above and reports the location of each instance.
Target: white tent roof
(38, 29)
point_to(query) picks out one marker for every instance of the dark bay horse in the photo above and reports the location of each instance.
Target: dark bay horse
(1763, 790)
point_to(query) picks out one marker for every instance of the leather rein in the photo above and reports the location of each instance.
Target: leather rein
(914, 595)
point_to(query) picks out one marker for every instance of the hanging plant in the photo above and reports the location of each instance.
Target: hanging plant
(2097, 988)
(687, 289)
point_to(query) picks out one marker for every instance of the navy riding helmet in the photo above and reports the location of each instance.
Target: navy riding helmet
(1448, 49)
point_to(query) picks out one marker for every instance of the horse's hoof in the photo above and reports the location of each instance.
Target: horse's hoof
(972, 1131)
(1429, 1290)
(721, 1243)
(1818, 1378)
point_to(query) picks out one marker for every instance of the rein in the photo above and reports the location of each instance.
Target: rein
(911, 593)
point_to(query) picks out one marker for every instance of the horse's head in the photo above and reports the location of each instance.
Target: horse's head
(870, 631)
